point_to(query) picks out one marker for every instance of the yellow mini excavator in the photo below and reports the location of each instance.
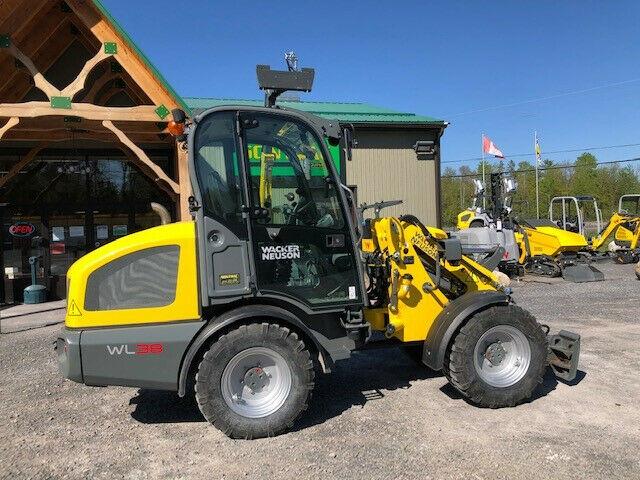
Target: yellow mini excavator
(621, 234)
(274, 281)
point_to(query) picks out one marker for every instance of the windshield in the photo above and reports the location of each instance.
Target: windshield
(290, 177)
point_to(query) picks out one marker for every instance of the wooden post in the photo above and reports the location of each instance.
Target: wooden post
(142, 156)
(184, 183)
(12, 122)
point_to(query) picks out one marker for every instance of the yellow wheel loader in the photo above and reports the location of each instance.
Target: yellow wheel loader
(274, 281)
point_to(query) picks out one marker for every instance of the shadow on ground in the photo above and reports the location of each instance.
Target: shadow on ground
(363, 378)
(354, 382)
(549, 384)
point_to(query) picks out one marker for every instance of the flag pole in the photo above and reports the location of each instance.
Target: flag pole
(535, 151)
(484, 184)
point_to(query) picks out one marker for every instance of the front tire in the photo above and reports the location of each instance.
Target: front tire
(255, 381)
(498, 357)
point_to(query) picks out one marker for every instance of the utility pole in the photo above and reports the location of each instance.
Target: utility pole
(484, 183)
(535, 150)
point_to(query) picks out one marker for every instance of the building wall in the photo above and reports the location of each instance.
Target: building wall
(385, 167)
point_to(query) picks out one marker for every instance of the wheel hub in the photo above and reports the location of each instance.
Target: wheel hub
(256, 382)
(502, 356)
(495, 353)
(256, 379)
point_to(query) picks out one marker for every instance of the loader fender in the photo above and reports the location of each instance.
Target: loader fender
(451, 318)
(240, 315)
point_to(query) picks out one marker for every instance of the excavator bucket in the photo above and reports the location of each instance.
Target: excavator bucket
(582, 273)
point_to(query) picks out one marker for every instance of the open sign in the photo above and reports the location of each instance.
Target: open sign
(22, 229)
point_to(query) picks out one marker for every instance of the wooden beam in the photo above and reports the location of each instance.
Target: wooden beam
(127, 57)
(90, 95)
(78, 83)
(20, 89)
(38, 78)
(43, 84)
(148, 173)
(142, 156)
(7, 7)
(51, 25)
(12, 122)
(21, 18)
(26, 160)
(184, 182)
(90, 135)
(140, 113)
(60, 122)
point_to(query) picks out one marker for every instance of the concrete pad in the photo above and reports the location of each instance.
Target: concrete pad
(25, 317)
(28, 309)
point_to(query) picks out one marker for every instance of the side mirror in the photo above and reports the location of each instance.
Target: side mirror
(349, 142)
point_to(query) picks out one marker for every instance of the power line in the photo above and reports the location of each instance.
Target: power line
(541, 99)
(586, 149)
(554, 167)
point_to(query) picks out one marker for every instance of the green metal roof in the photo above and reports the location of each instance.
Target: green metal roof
(98, 4)
(344, 112)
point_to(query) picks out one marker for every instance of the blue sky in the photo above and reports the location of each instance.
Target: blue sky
(434, 58)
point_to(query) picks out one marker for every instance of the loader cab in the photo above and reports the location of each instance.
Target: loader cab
(270, 210)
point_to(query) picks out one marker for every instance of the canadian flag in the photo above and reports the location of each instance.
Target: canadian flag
(489, 147)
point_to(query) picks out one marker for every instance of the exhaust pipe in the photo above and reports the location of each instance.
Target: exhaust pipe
(162, 212)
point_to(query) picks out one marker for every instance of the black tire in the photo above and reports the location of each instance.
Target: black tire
(208, 387)
(476, 224)
(461, 371)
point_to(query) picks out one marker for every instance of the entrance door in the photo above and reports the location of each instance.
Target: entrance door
(302, 243)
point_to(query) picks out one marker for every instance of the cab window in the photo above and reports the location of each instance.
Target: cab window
(290, 178)
(218, 170)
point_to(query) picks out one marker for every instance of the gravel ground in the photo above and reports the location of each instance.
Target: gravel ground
(378, 416)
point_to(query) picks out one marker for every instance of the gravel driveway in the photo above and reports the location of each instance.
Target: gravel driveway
(379, 416)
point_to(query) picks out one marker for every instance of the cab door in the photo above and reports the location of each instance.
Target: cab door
(220, 193)
(301, 240)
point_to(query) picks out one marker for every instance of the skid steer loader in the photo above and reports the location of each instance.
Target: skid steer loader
(274, 280)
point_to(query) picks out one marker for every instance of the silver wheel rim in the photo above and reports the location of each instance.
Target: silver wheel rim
(502, 356)
(256, 382)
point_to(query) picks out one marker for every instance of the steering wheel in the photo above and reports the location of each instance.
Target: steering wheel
(297, 212)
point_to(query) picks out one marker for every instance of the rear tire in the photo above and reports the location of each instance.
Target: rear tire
(498, 357)
(255, 381)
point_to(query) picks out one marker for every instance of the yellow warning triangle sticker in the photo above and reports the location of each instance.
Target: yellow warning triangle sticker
(73, 310)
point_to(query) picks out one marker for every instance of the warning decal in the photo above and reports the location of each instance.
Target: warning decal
(73, 310)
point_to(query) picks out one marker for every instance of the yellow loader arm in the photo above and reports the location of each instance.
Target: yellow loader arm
(266, 178)
(425, 275)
